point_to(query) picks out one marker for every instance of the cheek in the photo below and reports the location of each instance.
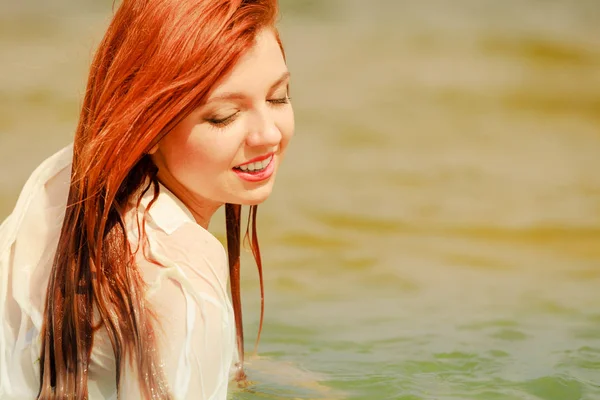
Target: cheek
(199, 155)
(191, 160)
(286, 127)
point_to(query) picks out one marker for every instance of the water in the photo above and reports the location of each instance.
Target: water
(435, 230)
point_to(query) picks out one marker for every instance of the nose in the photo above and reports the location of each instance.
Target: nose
(263, 130)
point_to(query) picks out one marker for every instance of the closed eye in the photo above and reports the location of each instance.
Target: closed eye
(220, 122)
(282, 100)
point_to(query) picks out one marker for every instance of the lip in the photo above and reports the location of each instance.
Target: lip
(257, 159)
(257, 177)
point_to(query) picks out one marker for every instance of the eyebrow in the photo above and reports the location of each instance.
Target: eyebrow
(241, 96)
(279, 81)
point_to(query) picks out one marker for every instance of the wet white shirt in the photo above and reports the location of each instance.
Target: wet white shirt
(196, 337)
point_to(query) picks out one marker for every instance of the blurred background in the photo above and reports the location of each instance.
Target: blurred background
(435, 230)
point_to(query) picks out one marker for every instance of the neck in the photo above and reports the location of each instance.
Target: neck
(202, 213)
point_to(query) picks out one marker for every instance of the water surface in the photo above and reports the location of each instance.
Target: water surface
(435, 230)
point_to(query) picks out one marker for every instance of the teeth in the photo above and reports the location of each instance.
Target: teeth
(257, 166)
(266, 162)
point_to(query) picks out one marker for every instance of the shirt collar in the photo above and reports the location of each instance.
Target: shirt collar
(168, 212)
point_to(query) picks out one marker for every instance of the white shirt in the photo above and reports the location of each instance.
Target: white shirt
(196, 337)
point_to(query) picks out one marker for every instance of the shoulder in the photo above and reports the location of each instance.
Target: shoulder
(189, 248)
(46, 188)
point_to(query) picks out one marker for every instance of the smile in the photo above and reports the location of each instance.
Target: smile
(256, 171)
(255, 166)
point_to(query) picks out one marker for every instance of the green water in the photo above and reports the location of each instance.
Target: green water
(435, 230)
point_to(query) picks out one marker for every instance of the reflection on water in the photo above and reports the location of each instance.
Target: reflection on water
(435, 232)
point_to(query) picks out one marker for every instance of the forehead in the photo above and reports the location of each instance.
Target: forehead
(257, 69)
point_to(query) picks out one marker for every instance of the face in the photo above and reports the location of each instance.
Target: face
(229, 149)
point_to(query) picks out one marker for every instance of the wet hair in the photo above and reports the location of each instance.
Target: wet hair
(157, 62)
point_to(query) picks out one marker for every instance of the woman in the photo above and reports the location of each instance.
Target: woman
(110, 283)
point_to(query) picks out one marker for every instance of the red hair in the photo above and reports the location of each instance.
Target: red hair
(158, 61)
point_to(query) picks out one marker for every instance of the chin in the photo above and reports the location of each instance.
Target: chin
(253, 201)
(255, 197)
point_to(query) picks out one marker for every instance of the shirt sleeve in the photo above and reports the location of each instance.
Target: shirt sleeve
(194, 330)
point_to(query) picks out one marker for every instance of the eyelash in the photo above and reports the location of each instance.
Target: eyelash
(220, 123)
(283, 100)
